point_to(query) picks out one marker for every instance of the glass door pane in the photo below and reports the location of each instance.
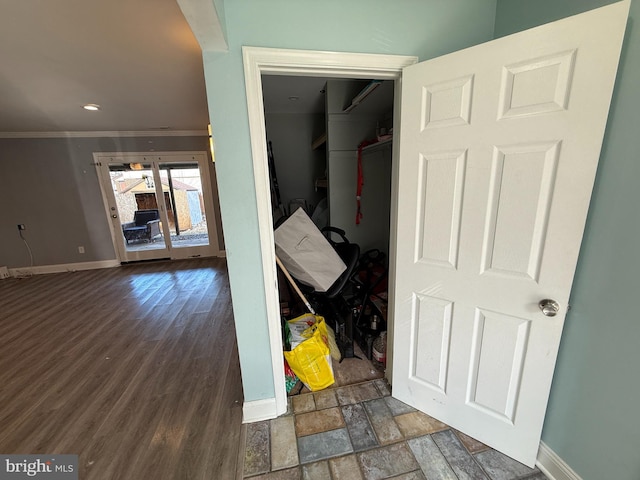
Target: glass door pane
(185, 204)
(138, 211)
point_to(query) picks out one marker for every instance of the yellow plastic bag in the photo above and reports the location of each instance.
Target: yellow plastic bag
(311, 359)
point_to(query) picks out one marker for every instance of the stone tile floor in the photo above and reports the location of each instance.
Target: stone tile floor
(360, 432)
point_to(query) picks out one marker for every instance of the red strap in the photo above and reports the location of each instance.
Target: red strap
(360, 180)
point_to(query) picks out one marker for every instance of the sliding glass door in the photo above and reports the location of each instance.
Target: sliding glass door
(182, 190)
(159, 206)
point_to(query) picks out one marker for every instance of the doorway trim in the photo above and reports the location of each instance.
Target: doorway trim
(273, 61)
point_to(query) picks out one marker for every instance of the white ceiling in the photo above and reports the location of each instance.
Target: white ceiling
(137, 59)
(309, 91)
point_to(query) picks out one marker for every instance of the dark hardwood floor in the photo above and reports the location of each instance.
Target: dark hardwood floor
(135, 369)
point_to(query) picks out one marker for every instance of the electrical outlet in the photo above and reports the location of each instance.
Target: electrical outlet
(81, 249)
(21, 226)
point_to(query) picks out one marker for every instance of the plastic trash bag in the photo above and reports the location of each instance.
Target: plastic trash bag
(290, 378)
(310, 360)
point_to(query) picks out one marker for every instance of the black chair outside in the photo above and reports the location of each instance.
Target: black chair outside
(145, 226)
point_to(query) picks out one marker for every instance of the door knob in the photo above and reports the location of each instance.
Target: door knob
(549, 307)
(114, 216)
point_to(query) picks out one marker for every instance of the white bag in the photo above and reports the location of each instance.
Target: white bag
(306, 253)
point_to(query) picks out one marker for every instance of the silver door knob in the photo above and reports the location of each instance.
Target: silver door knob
(549, 307)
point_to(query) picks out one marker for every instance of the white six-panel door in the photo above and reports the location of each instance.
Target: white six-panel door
(498, 152)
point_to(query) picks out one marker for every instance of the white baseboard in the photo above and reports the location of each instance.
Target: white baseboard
(258, 410)
(553, 466)
(61, 268)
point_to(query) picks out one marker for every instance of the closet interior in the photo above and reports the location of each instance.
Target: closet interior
(330, 153)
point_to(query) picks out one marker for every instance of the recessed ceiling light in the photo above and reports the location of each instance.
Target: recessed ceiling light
(91, 106)
(294, 98)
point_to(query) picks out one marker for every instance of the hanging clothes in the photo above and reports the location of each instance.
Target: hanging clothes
(360, 179)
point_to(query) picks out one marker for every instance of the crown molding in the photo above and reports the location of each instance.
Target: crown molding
(133, 133)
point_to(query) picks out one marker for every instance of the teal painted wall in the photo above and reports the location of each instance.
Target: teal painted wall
(592, 420)
(426, 28)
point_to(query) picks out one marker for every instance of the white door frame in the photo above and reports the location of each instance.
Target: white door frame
(259, 61)
(205, 173)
